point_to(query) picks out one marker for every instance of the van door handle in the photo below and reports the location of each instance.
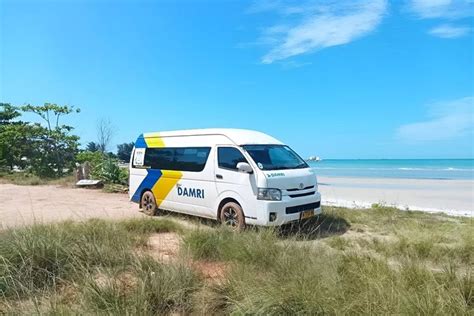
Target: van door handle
(219, 176)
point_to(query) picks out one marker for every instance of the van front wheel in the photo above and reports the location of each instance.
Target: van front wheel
(148, 203)
(233, 216)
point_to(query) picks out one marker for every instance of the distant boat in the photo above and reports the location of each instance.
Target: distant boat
(314, 158)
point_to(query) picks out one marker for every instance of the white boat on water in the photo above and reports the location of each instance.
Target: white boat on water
(314, 158)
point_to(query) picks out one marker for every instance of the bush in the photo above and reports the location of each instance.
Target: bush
(93, 157)
(103, 167)
(110, 172)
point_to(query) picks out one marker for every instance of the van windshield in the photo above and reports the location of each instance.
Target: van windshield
(275, 157)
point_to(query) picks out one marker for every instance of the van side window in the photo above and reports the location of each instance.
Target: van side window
(229, 157)
(180, 159)
(191, 159)
(159, 158)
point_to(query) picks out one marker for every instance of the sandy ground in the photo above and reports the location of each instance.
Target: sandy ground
(24, 205)
(454, 197)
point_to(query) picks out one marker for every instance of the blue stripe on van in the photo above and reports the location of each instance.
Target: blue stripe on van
(148, 182)
(140, 143)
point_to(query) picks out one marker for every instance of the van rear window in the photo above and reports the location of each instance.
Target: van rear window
(179, 158)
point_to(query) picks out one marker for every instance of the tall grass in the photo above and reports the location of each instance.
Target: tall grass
(43, 260)
(339, 274)
(377, 261)
(146, 287)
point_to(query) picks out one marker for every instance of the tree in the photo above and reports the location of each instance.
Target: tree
(14, 141)
(54, 147)
(104, 134)
(8, 113)
(124, 151)
(93, 147)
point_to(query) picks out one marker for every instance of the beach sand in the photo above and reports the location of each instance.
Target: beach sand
(24, 205)
(454, 197)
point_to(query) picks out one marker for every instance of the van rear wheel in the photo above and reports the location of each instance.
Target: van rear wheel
(232, 215)
(149, 203)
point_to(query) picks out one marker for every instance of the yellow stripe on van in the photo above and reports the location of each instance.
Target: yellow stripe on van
(165, 184)
(154, 142)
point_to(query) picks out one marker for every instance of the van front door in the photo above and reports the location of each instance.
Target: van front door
(232, 183)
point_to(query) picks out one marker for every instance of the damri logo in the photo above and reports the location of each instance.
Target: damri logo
(275, 174)
(190, 192)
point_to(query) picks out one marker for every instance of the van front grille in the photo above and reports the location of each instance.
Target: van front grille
(301, 208)
(301, 194)
(297, 189)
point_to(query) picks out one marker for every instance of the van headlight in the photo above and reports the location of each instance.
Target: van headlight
(269, 194)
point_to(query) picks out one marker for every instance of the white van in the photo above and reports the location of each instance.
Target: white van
(236, 176)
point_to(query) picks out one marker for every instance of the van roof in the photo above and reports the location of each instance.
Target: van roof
(237, 136)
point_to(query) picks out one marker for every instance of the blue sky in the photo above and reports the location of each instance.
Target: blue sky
(368, 79)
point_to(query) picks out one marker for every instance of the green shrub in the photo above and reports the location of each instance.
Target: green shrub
(93, 157)
(104, 167)
(110, 172)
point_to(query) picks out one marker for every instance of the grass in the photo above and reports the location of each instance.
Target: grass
(26, 178)
(115, 188)
(375, 261)
(42, 263)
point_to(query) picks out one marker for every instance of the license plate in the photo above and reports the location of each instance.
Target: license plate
(307, 214)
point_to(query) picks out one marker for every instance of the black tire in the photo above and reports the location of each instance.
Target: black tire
(232, 215)
(148, 203)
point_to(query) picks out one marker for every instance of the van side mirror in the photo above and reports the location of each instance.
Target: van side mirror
(244, 167)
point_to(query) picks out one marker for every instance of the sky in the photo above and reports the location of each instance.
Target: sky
(335, 79)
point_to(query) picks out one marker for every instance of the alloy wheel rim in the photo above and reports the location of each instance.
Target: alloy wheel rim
(231, 217)
(148, 203)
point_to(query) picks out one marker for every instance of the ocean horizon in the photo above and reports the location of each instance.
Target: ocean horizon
(441, 169)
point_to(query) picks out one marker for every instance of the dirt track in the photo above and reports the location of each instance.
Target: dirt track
(24, 205)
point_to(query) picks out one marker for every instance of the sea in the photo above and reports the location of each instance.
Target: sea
(443, 169)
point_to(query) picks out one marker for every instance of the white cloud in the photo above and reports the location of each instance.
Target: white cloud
(442, 8)
(449, 31)
(316, 26)
(447, 120)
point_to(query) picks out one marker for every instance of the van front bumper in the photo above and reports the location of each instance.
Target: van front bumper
(287, 210)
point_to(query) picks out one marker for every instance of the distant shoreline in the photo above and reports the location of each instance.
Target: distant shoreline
(453, 197)
(438, 169)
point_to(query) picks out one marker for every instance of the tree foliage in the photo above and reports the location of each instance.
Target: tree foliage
(48, 151)
(7, 113)
(124, 151)
(14, 138)
(93, 147)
